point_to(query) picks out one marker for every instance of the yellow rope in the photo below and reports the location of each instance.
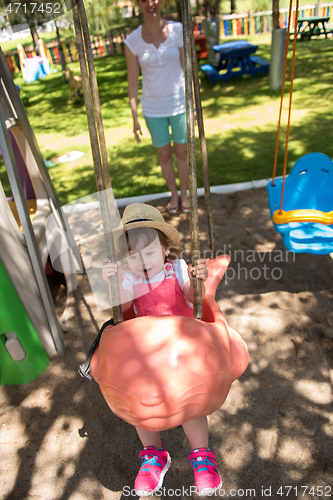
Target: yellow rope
(282, 93)
(289, 111)
(290, 101)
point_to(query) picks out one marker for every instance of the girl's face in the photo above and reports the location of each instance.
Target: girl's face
(150, 7)
(147, 261)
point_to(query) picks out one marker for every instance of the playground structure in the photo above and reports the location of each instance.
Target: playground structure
(110, 44)
(305, 197)
(25, 247)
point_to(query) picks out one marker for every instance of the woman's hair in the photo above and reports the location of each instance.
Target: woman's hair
(166, 3)
(129, 240)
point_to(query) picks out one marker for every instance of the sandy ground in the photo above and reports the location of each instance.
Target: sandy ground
(272, 437)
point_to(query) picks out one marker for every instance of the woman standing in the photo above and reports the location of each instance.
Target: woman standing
(157, 48)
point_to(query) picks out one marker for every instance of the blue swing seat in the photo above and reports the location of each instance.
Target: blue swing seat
(309, 186)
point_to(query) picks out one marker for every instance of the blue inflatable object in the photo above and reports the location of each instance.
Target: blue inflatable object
(309, 186)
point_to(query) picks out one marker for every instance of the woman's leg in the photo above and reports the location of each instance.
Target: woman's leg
(197, 432)
(182, 167)
(149, 438)
(168, 172)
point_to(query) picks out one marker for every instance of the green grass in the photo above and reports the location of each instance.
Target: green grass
(240, 119)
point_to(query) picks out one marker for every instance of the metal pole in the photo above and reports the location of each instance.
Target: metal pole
(203, 146)
(98, 115)
(276, 14)
(102, 175)
(193, 199)
(95, 95)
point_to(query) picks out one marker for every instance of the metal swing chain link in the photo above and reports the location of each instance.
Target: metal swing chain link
(203, 146)
(193, 199)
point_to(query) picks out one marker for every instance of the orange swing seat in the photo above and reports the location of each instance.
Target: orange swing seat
(158, 372)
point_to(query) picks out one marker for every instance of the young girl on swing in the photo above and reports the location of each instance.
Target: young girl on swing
(158, 284)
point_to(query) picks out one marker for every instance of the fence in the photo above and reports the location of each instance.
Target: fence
(102, 45)
(234, 25)
(231, 25)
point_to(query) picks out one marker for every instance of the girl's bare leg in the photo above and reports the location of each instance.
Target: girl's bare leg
(197, 432)
(149, 438)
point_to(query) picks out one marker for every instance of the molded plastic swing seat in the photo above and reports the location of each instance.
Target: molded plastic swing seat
(157, 372)
(306, 223)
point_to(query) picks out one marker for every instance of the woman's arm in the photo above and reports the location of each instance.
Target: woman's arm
(133, 72)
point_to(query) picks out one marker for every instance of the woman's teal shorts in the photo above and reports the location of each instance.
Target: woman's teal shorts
(159, 129)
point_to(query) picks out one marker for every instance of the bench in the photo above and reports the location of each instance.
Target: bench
(261, 64)
(329, 30)
(306, 35)
(212, 74)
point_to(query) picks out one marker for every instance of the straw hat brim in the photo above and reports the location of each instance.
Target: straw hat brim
(170, 232)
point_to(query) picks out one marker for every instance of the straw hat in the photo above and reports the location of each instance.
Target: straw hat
(142, 215)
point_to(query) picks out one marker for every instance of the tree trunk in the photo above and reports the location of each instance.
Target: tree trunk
(276, 15)
(179, 10)
(35, 36)
(215, 9)
(232, 6)
(205, 8)
(61, 54)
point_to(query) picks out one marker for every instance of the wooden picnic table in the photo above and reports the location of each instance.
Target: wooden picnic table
(308, 27)
(236, 59)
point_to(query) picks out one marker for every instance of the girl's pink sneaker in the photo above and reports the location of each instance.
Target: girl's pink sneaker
(206, 476)
(155, 463)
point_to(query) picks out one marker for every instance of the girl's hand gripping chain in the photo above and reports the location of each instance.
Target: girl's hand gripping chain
(109, 269)
(199, 271)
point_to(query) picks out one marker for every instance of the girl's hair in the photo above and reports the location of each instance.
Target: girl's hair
(129, 240)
